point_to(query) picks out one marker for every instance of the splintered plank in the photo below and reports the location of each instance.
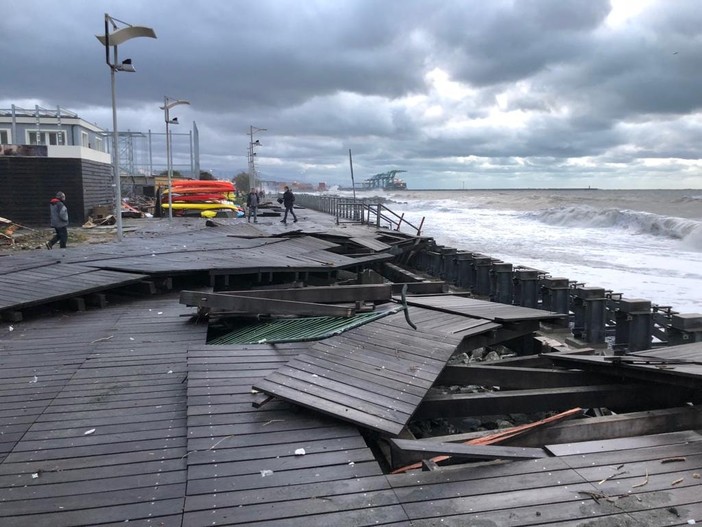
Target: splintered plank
(370, 375)
(426, 449)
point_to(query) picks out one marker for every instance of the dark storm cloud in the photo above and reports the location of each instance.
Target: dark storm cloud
(518, 90)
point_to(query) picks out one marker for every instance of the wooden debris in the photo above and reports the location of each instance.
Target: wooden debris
(673, 459)
(677, 481)
(644, 482)
(503, 435)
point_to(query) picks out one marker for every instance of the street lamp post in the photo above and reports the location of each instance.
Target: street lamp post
(169, 103)
(252, 164)
(114, 39)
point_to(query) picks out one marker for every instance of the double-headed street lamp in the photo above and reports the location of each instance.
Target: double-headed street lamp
(169, 103)
(252, 154)
(114, 39)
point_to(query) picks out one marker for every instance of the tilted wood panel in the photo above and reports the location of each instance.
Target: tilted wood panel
(481, 308)
(375, 375)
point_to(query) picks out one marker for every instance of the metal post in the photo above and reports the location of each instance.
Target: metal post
(168, 161)
(115, 149)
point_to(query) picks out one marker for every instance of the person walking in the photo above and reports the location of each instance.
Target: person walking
(288, 202)
(59, 221)
(252, 205)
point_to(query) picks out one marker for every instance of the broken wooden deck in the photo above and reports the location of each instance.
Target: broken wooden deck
(125, 415)
(375, 375)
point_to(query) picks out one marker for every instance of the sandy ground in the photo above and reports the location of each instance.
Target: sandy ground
(29, 239)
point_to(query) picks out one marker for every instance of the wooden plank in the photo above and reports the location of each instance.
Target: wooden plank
(620, 397)
(323, 294)
(515, 377)
(330, 407)
(269, 306)
(598, 428)
(626, 443)
(427, 449)
(675, 375)
(481, 308)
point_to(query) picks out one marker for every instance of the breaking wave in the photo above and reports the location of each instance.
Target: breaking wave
(633, 221)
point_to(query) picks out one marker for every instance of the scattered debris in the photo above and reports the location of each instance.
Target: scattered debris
(673, 459)
(300, 452)
(266, 472)
(89, 432)
(644, 482)
(104, 339)
(677, 481)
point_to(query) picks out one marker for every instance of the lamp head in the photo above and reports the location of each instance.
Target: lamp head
(257, 142)
(173, 121)
(125, 66)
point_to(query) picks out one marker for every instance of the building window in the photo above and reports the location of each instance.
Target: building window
(99, 144)
(46, 137)
(5, 137)
(84, 140)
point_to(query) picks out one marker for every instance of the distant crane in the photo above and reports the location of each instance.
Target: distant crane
(386, 180)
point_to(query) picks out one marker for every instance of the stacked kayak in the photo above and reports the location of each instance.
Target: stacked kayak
(191, 197)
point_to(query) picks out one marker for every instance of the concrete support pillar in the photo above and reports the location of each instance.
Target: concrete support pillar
(634, 321)
(463, 260)
(434, 267)
(555, 294)
(526, 288)
(685, 328)
(589, 310)
(502, 284)
(448, 255)
(482, 267)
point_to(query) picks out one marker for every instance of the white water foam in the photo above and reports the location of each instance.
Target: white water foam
(642, 244)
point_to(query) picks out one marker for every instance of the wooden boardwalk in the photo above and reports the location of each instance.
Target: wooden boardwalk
(49, 276)
(123, 415)
(93, 405)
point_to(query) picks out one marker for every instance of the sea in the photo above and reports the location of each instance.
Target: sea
(643, 244)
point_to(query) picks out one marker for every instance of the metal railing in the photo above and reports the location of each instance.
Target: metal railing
(358, 211)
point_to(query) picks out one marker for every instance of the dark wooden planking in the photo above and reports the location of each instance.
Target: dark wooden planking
(678, 375)
(248, 304)
(515, 377)
(620, 397)
(323, 294)
(481, 308)
(626, 443)
(311, 379)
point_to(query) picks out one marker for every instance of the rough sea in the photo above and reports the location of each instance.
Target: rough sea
(641, 243)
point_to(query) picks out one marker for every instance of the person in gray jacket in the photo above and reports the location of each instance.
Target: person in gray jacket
(59, 220)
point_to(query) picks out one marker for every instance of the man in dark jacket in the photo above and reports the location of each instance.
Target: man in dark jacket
(288, 202)
(252, 204)
(59, 221)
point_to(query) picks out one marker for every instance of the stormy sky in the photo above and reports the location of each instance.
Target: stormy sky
(458, 93)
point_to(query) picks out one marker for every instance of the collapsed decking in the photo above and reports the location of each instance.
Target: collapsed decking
(125, 413)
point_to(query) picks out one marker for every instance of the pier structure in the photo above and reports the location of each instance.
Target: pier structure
(383, 180)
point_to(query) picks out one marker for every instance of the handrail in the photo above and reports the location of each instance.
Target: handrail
(358, 211)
